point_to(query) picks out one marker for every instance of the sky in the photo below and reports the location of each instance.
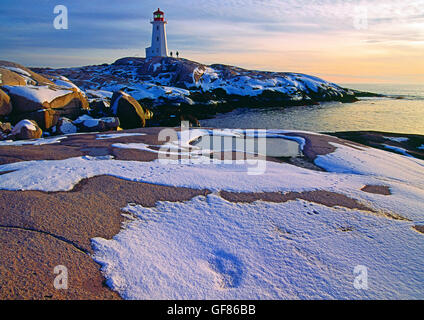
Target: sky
(344, 41)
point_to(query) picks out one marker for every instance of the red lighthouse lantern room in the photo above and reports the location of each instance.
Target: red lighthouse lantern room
(158, 15)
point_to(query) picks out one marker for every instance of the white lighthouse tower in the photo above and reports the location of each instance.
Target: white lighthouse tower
(159, 47)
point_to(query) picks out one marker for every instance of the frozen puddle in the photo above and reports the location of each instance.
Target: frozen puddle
(271, 147)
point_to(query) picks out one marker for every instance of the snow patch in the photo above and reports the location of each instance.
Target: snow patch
(34, 142)
(397, 139)
(38, 94)
(397, 149)
(117, 135)
(208, 248)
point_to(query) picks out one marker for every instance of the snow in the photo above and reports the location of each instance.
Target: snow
(65, 82)
(67, 127)
(156, 66)
(250, 83)
(372, 162)
(23, 124)
(146, 90)
(397, 139)
(87, 121)
(17, 70)
(397, 149)
(39, 94)
(35, 142)
(102, 94)
(208, 248)
(118, 135)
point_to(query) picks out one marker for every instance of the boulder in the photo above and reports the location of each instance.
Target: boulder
(45, 118)
(128, 110)
(32, 98)
(5, 104)
(99, 108)
(45, 104)
(64, 126)
(25, 129)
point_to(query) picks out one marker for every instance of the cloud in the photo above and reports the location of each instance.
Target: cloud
(270, 32)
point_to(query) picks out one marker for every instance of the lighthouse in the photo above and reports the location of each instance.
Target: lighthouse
(159, 47)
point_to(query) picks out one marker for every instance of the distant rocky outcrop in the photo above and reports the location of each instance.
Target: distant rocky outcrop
(174, 88)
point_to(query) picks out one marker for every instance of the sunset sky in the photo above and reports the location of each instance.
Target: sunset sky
(326, 38)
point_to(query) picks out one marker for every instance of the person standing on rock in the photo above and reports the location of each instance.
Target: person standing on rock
(170, 54)
(177, 53)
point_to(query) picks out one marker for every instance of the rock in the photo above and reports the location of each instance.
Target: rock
(128, 110)
(5, 127)
(148, 114)
(191, 119)
(45, 118)
(32, 98)
(10, 78)
(111, 123)
(45, 104)
(99, 108)
(86, 123)
(25, 129)
(64, 126)
(5, 104)
(28, 75)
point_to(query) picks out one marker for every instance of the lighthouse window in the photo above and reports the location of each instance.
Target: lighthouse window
(157, 38)
(157, 27)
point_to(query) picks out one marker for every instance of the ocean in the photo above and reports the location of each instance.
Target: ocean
(389, 114)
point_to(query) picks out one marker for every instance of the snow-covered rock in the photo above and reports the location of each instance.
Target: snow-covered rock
(37, 98)
(64, 126)
(85, 123)
(26, 129)
(10, 78)
(170, 78)
(19, 73)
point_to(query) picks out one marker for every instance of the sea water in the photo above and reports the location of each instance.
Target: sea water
(401, 112)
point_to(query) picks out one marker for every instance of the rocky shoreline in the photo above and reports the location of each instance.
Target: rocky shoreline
(137, 92)
(180, 89)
